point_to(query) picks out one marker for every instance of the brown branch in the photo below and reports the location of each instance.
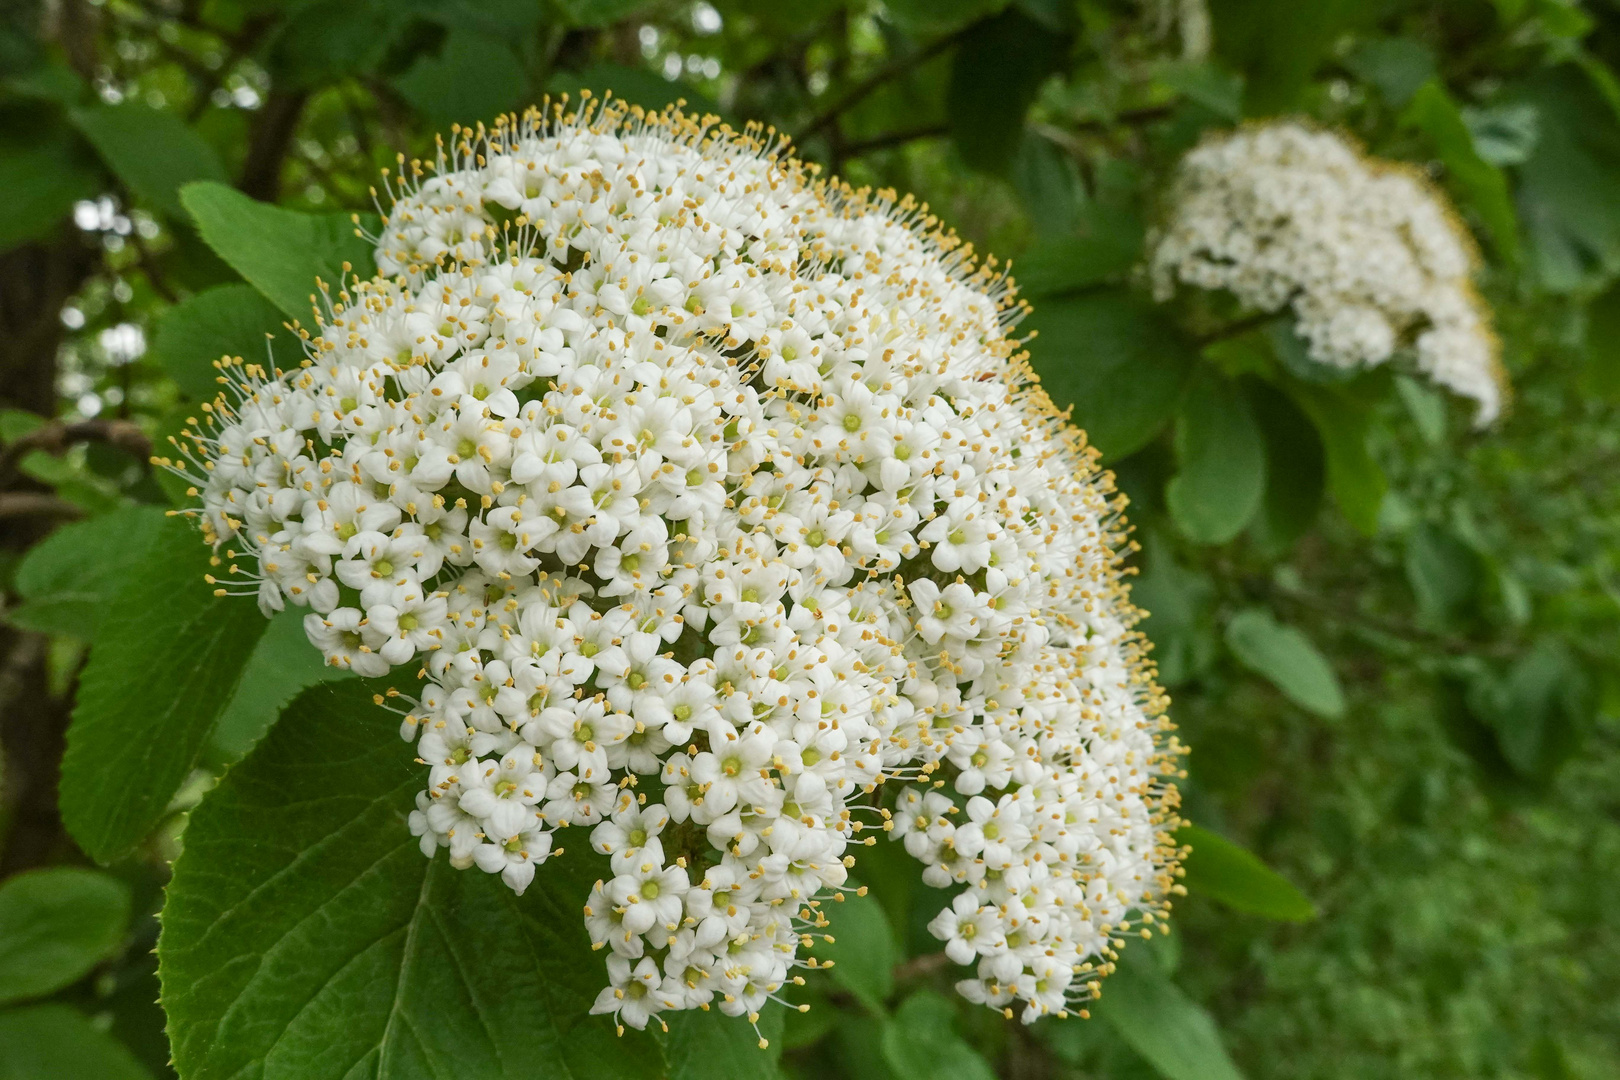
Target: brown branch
(14, 504)
(893, 69)
(892, 139)
(57, 436)
(921, 967)
(267, 148)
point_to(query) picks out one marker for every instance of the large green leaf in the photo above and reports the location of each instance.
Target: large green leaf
(1221, 870)
(1355, 478)
(53, 1042)
(280, 252)
(934, 17)
(1279, 44)
(439, 86)
(55, 925)
(1223, 462)
(919, 1043)
(1116, 360)
(167, 658)
(1296, 467)
(1433, 112)
(66, 580)
(1161, 1023)
(863, 949)
(283, 665)
(151, 150)
(227, 320)
(713, 1046)
(1286, 658)
(995, 75)
(1573, 226)
(306, 937)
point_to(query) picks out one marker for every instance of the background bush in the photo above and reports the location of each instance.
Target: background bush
(1390, 639)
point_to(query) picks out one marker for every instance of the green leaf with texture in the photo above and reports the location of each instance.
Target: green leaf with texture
(283, 665)
(1356, 480)
(863, 949)
(1221, 870)
(920, 1042)
(1162, 1023)
(1222, 478)
(306, 937)
(1287, 659)
(55, 925)
(66, 580)
(151, 150)
(1116, 360)
(1483, 185)
(995, 75)
(713, 1046)
(280, 252)
(54, 1042)
(167, 658)
(227, 320)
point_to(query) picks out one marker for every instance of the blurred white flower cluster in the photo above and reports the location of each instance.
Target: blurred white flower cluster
(707, 498)
(1367, 253)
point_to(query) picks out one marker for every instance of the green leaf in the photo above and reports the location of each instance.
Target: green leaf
(1356, 480)
(283, 665)
(279, 252)
(1161, 1023)
(1296, 466)
(1223, 462)
(638, 86)
(227, 320)
(306, 937)
(1177, 601)
(1396, 66)
(151, 150)
(1286, 658)
(324, 43)
(930, 18)
(1108, 247)
(995, 75)
(1446, 575)
(1279, 44)
(1116, 360)
(54, 1042)
(713, 1046)
(919, 1043)
(1221, 870)
(55, 925)
(1564, 186)
(42, 178)
(1433, 112)
(598, 12)
(439, 86)
(863, 949)
(67, 579)
(167, 658)
(1540, 709)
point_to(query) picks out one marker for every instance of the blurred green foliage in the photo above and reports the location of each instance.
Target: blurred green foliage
(1393, 643)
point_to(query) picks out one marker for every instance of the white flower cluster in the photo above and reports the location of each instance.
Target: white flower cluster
(1367, 253)
(707, 498)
